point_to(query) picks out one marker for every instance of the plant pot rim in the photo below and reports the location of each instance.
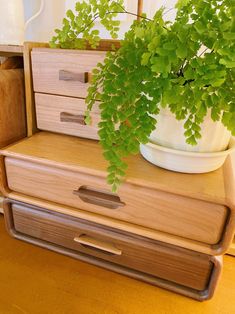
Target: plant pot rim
(226, 152)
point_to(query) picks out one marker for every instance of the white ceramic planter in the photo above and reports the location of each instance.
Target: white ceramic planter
(187, 162)
(170, 133)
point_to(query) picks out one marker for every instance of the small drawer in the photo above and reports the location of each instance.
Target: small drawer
(168, 213)
(66, 115)
(166, 262)
(63, 72)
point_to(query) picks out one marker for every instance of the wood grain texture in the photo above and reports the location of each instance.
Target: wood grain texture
(12, 108)
(193, 269)
(29, 94)
(180, 216)
(10, 63)
(11, 50)
(1, 204)
(140, 8)
(63, 154)
(85, 156)
(121, 225)
(50, 107)
(30, 224)
(104, 45)
(231, 250)
(65, 285)
(47, 65)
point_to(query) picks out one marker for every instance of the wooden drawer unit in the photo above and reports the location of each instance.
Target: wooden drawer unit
(192, 273)
(71, 172)
(65, 115)
(63, 72)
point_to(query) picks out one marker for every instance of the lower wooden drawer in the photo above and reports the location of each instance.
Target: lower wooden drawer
(184, 271)
(66, 115)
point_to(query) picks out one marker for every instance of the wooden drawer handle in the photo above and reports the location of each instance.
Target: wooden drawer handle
(97, 244)
(99, 197)
(72, 118)
(84, 77)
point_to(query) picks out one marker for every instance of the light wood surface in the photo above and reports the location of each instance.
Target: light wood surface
(1, 204)
(105, 45)
(231, 250)
(167, 256)
(140, 8)
(29, 94)
(188, 218)
(82, 155)
(47, 65)
(52, 154)
(12, 108)
(11, 50)
(36, 281)
(121, 225)
(65, 115)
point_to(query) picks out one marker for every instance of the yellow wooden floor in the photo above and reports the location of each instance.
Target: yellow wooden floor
(34, 280)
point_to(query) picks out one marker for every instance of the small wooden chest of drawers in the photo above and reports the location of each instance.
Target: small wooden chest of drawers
(60, 80)
(162, 227)
(184, 271)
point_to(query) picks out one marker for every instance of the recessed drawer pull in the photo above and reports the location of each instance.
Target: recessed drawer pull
(99, 197)
(84, 77)
(72, 118)
(97, 244)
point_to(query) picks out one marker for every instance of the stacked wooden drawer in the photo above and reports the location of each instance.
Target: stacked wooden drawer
(165, 228)
(164, 234)
(61, 79)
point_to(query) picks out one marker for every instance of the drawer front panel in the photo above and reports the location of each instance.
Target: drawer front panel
(65, 115)
(63, 72)
(184, 217)
(167, 262)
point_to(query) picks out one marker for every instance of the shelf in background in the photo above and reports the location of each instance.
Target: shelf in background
(11, 50)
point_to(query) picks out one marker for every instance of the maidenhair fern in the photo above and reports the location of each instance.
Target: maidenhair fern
(79, 26)
(187, 65)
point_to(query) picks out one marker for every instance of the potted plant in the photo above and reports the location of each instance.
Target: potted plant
(177, 74)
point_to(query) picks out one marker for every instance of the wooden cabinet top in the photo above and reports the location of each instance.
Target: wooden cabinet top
(86, 156)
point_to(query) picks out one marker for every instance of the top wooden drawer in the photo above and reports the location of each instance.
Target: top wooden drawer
(63, 72)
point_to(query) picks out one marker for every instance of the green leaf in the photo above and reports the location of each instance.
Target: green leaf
(181, 52)
(229, 36)
(200, 27)
(181, 3)
(145, 58)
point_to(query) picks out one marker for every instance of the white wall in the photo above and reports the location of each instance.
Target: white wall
(150, 7)
(42, 28)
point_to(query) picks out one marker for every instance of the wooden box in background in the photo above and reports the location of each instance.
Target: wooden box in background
(12, 106)
(12, 97)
